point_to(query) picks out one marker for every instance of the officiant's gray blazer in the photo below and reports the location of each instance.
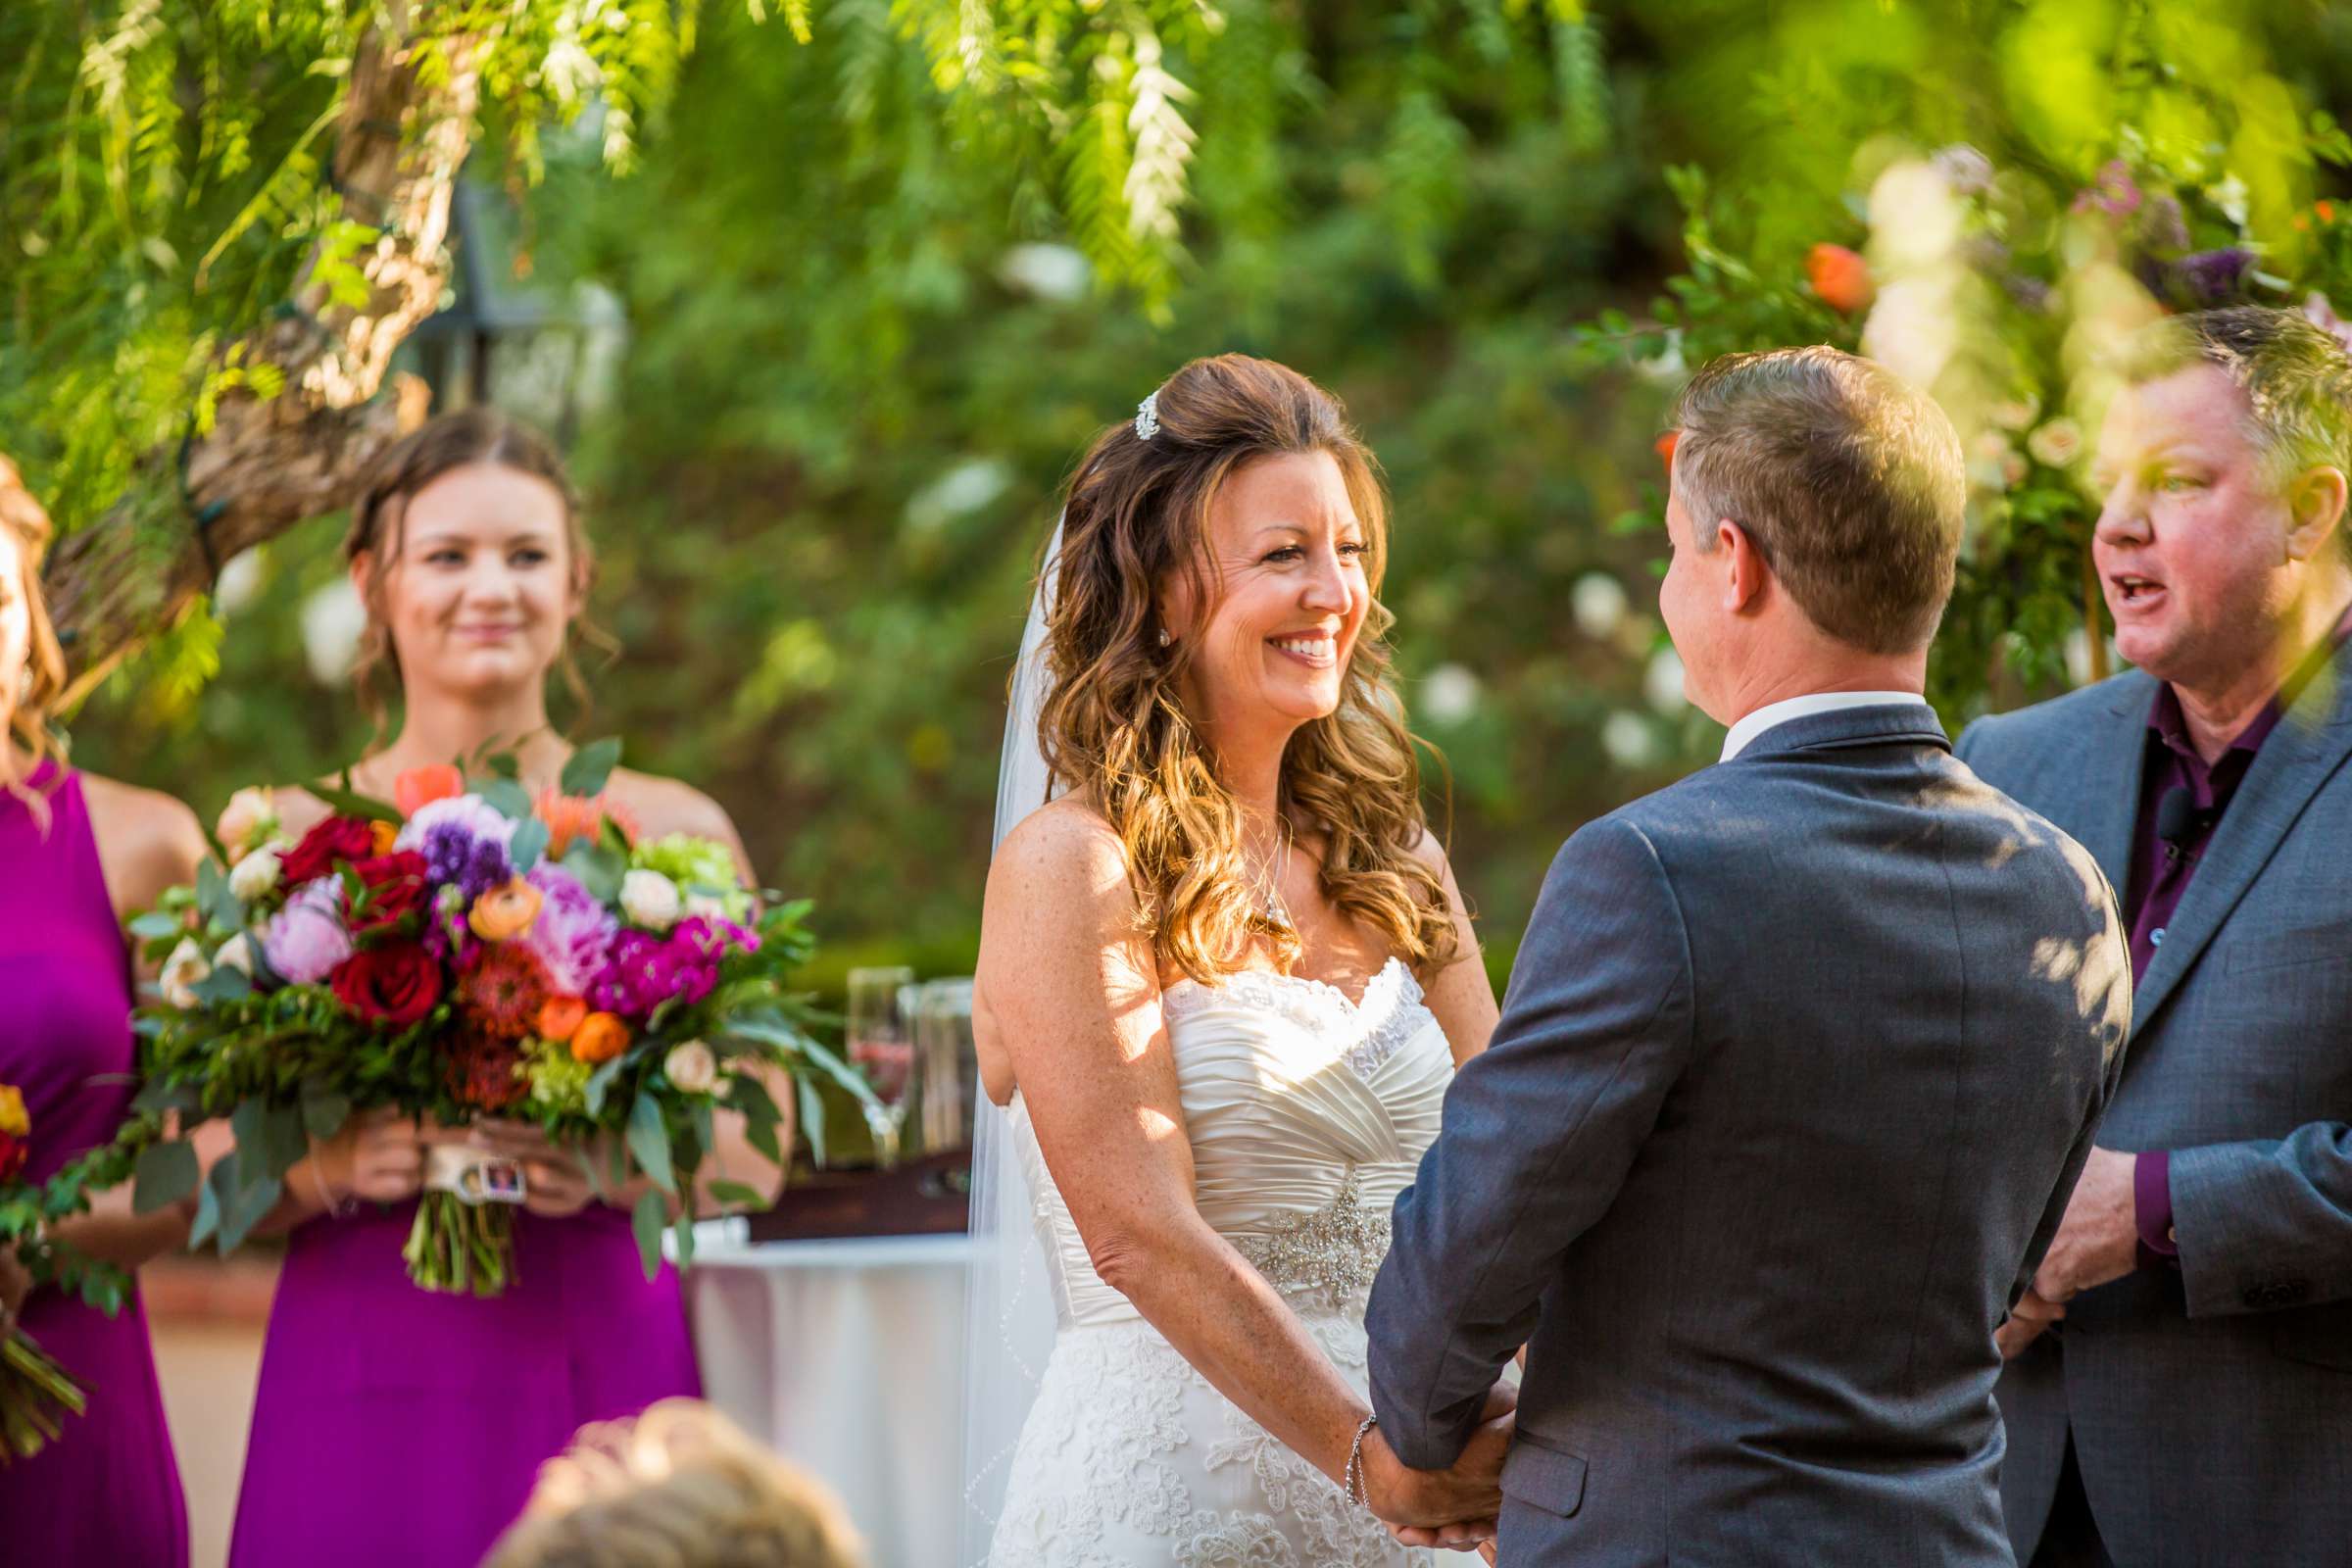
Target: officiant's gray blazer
(1798, 1064)
(2212, 1406)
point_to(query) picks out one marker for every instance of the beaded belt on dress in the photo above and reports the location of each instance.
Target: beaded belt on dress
(1335, 1251)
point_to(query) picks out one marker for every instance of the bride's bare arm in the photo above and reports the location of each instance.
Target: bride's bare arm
(1074, 999)
(1460, 996)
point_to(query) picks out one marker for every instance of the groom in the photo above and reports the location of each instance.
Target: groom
(1800, 1058)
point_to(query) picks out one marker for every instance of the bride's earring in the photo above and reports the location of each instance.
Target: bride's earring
(1164, 638)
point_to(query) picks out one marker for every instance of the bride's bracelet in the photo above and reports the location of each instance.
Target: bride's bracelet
(1354, 1484)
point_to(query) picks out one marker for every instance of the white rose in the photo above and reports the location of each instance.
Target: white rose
(257, 873)
(691, 1067)
(650, 900)
(249, 818)
(235, 954)
(711, 905)
(183, 971)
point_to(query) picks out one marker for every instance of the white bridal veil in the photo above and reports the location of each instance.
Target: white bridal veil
(1009, 1303)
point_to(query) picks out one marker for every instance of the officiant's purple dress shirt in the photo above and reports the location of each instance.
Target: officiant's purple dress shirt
(2161, 873)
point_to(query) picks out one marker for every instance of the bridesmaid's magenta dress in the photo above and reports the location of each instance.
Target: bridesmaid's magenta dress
(106, 1493)
(394, 1428)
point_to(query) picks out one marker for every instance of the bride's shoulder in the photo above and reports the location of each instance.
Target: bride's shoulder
(1063, 853)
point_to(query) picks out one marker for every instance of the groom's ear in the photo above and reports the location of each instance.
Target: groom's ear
(1744, 573)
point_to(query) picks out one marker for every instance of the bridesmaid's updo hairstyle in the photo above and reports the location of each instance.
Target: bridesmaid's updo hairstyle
(1115, 729)
(457, 440)
(30, 707)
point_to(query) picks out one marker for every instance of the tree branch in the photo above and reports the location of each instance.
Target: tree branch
(266, 464)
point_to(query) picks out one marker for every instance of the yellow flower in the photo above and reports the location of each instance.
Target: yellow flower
(504, 914)
(12, 1116)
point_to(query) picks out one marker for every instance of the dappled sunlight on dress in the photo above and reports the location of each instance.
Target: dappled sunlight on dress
(1306, 1115)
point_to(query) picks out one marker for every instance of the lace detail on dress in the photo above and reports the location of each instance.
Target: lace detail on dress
(1333, 1252)
(1363, 1033)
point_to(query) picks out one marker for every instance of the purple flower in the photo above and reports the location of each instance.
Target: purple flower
(648, 970)
(463, 840)
(306, 939)
(2214, 275)
(572, 937)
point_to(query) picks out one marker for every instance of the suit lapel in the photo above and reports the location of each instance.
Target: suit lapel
(2110, 800)
(2310, 744)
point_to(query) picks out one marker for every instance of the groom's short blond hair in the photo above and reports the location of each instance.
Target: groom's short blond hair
(1849, 480)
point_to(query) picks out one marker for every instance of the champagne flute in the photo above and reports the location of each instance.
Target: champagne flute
(882, 1046)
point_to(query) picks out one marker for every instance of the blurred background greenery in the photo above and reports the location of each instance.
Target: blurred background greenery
(847, 321)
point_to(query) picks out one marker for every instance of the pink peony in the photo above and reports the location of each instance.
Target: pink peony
(306, 939)
(572, 937)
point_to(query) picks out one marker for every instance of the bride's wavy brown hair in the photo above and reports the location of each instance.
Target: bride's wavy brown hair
(1115, 729)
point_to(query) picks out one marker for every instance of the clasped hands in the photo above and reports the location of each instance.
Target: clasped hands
(380, 1157)
(2097, 1241)
(1455, 1509)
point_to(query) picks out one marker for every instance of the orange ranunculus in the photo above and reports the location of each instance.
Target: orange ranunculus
(576, 818)
(419, 787)
(601, 1037)
(1840, 276)
(2326, 208)
(504, 914)
(560, 1017)
(1664, 446)
(385, 835)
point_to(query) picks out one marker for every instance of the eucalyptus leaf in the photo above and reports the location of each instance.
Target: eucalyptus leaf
(528, 845)
(165, 1174)
(599, 869)
(600, 1084)
(209, 1202)
(245, 1208)
(762, 1135)
(740, 1194)
(590, 767)
(219, 905)
(683, 1230)
(505, 796)
(323, 1111)
(154, 925)
(650, 1217)
(649, 1140)
(227, 983)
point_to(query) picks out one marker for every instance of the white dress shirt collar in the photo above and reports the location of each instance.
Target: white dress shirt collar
(1774, 715)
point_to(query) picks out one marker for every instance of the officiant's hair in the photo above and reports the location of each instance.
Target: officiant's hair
(1113, 726)
(2296, 376)
(456, 440)
(1849, 480)
(44, 680)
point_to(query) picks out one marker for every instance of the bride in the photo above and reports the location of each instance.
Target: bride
(1224, 981)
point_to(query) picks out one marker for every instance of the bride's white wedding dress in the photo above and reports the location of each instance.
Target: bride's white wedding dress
(1308, 1115)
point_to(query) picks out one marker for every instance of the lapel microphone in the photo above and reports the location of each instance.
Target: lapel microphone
(2176, 818)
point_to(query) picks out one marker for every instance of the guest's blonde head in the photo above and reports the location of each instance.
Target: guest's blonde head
(680, 1487)
(33, 667)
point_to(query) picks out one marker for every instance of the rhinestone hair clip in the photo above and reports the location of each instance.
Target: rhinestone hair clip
(1146, 417)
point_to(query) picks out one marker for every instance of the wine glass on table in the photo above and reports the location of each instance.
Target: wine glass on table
(882, 1045)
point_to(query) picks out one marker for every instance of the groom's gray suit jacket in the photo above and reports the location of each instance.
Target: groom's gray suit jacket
(1798, 1064)
(2211, 1405)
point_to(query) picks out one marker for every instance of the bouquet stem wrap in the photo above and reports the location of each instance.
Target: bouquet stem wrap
(463, 1242)
(36, 1394)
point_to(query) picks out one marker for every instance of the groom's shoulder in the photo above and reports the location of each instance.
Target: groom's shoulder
(2056, 727)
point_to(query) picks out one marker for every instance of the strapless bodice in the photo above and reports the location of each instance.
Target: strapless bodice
(1307, 1113)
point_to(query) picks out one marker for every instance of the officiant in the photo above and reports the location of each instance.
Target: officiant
(2179, 1388)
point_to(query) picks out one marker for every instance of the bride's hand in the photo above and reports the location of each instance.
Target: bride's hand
(1453, 1507)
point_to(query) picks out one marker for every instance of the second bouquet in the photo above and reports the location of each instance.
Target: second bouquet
(472, 951)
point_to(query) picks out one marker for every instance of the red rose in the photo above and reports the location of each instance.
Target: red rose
(397, 887)
(338, 838)
(396, 984)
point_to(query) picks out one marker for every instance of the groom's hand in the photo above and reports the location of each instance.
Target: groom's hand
(1454, 1507)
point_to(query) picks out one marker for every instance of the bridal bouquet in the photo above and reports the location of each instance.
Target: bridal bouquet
(468, 951)
(36, 1393)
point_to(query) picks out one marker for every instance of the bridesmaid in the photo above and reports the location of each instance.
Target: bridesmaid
(392, 1425)
(78, 856)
